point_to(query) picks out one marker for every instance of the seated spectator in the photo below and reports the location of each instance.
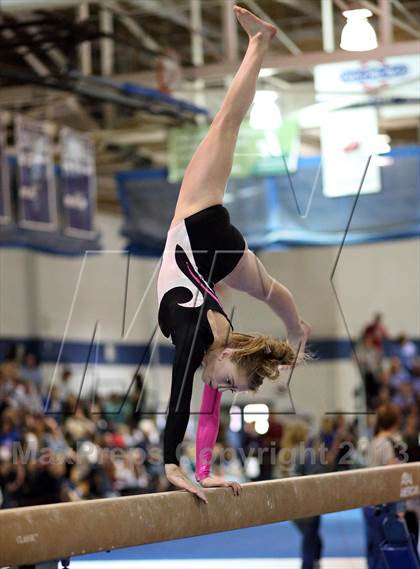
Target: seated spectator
(384, 377)
(384, 450)
(10, 367)
(10, 431)
(137, 402)
(398, 374)
(345, 451)
(370, 360)
(383, 397)
(53, 404)
(293, 440)
(78, 426)
(327, 433)
(29, 397)
(65, 386)
(114, 409)
(384, 446)
(416, 379)
(377, 330)
(128, 478)
(54, 438)
(411, 437)
(406, 351)
(30, 370)
(11, 479)
(404, 399)
(45, 482)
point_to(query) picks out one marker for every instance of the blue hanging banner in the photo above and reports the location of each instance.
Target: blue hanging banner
(5, 206)
(37, 201)
(78, 183)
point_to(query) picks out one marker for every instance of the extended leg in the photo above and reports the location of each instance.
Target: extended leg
(207, 174)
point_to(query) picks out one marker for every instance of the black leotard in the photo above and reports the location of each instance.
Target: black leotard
(200, 251)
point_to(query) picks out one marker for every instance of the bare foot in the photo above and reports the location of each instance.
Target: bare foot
(253, 25)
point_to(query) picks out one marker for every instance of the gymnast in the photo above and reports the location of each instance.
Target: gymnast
(202, 249)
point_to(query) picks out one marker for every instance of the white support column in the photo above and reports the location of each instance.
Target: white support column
(197, 48)
(385, 22)
(85, 51)
(106, 23)
(230, 31)
(328, 39)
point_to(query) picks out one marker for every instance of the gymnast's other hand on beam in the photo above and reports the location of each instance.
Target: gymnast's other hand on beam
(176, 477)
(219, 482)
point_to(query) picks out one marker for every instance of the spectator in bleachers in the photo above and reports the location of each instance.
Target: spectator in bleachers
(137, 402)
(318, 460)
(384, 450)
(344, 449)
(78, 426)
(404, 398)
(10, 366)
(9, 428)
(65, 387)
(411, 436)
(11, 478)
(82, 436)
(30, 370)
(53, 437)
(327, 431)
(416, 379)
(53, 404)
(406, 351)
(377, 330)
(397, 372)
(383, 397)
(294, 438)
(370, 361)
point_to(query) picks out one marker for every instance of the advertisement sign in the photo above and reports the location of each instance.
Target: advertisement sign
(257, 153)
(347, 141)
(37, 202)
(5, 205)
(78, 183)
(358, 77)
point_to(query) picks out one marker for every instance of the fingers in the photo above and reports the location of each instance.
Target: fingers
(236, 487)
(199, 493)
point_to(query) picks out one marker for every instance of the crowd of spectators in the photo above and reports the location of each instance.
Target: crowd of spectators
(57, 447)
(390, 368)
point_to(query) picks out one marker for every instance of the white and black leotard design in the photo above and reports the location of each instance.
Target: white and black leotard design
(199, 252)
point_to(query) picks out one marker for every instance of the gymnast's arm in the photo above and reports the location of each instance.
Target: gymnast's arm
(252, 277)
(185, 363)
(207, 431)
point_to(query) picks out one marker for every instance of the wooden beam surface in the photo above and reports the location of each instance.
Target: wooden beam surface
(42, 533)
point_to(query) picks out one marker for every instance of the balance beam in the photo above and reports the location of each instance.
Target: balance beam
(43, 533)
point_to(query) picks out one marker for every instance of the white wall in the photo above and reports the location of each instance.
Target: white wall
(37, 292)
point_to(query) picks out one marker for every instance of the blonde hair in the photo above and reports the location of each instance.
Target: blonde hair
(261, 356)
